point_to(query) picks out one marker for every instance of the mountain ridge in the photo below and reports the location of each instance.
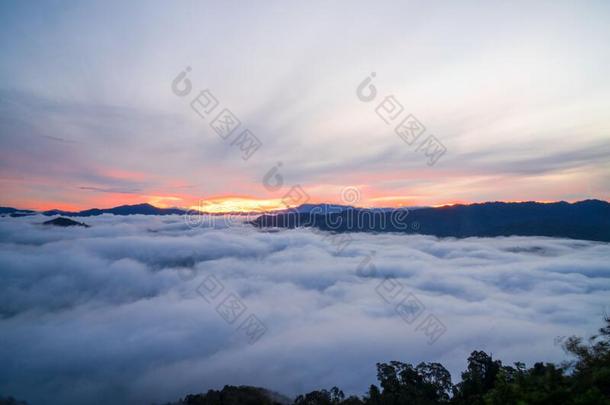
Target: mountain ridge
(587, 219)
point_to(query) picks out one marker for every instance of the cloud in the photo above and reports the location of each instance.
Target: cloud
(110, 190)
(490, 93)
(111, 313)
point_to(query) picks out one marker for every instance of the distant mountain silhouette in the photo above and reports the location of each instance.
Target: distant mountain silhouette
(318, 208)
(589, 220)
(15, 212)
(61, 221)
(142, 209)
(8, 210)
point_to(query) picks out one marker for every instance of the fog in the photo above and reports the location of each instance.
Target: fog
(117, 312)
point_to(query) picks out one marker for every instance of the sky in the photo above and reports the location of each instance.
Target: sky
(513, 100)
(116, 313)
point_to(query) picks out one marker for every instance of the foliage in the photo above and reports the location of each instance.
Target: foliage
(583, 381)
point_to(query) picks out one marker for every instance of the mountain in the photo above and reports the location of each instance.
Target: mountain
(589, 220)
(8, 210)
(317, 208)
(61, 221)
(15, 212)
(141, 209)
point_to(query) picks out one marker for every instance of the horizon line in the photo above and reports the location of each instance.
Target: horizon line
(192, 208)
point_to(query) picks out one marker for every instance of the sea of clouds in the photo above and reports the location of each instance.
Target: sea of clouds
(115, 313)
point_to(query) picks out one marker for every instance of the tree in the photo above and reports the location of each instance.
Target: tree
(437, 378)
(321, 397)
(592, 365)
(428, 383)
(477, 380)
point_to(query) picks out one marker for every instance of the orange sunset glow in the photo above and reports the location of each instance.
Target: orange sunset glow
(238, 204)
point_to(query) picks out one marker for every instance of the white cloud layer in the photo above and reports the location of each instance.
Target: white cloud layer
(110, 314)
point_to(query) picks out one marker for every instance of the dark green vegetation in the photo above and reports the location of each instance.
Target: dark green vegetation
(486, 381)
(230, 395)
